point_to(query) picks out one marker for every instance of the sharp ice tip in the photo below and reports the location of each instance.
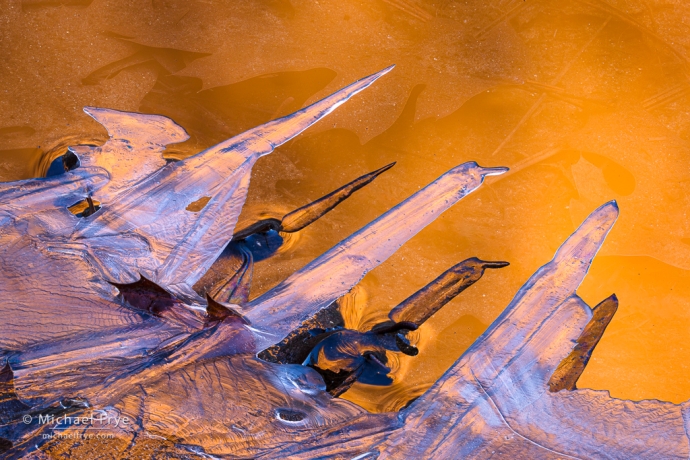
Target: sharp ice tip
(494, 264)
(493, 171)
(384, 168)
(613, 204)
(381, 73)
(610, 209)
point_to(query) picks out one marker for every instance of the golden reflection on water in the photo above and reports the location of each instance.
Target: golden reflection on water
(586, 101)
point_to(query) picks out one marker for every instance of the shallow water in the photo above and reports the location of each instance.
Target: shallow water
(584, 101)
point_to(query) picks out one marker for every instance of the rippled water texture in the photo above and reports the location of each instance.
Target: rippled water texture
(585, 101)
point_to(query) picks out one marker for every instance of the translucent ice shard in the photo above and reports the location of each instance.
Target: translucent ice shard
(345, 356)
(318, 284)
(58, 270)
(299, 218)
(424, 303)
(570, 369)
(170, 244)
(496, 397)
(199, 386)
(228, 279)
(95, 316)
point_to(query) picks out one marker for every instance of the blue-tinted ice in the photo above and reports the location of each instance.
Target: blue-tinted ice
(104, 313)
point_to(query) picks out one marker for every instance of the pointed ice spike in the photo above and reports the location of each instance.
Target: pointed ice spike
(308, 214)
(300, 218)
(547, 295)
(266, 137)
(183, 244)
(537, 328)
(504, 375)
(317, 285)
(421, 305)
(569, 371)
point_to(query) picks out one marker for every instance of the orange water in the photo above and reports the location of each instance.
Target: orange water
(586, 101)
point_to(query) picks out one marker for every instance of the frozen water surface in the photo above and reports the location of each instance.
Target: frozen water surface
(106, 268)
